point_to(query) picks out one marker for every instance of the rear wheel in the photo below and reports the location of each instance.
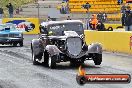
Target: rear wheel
(21, 44)
(97, 58)
(52, 61)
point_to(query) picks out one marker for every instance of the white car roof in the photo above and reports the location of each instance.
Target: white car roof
(58, 22)
(6, 24)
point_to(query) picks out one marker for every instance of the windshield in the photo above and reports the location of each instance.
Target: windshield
(3, 27)
(58, 29)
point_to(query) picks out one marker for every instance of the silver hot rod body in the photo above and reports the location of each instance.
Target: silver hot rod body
(62, 41)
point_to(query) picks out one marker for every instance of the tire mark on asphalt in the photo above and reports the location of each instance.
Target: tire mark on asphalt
(7, 84)
(47, 78)
(16, 54)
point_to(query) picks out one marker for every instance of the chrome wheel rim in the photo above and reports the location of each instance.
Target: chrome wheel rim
(49, 62)
(33, 56)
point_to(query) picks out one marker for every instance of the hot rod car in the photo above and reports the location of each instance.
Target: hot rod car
(62, 41)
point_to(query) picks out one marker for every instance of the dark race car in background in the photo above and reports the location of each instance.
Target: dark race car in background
(10, 35)
(62, 41)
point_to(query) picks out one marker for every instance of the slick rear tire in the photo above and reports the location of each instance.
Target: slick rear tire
(97, 58)
(52, 61)
(21, 44)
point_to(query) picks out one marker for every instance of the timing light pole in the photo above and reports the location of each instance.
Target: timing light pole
(38, 8)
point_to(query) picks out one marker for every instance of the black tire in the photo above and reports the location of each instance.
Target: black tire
(34, 58)
(97, 58)
(52, 61)
(21, 44)
(46, 56)
(14, 44)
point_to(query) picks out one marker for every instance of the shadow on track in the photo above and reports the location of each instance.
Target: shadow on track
(67, 66)
(8, 46)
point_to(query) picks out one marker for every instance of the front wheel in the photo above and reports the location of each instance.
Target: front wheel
(97, 58)
(46, 58)
(14, 44)
(34, 59)
(52, 61)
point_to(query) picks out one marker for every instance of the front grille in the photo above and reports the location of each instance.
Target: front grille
(9, 35)
(74, 46)
(4, 35)
(13, 35)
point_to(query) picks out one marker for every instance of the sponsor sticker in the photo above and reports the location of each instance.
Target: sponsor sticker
(83, 78)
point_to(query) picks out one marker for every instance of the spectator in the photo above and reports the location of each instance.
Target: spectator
(100, 26)
(67, 8)
(63, 8)
(104, 17)
(100, 16)
(127, 19)
(68, 18)
(87, 6)
(119, 2)
(123, 8)
(1, 13)
(93, 22)
(128, 6)
(10, 9)
(17, 11)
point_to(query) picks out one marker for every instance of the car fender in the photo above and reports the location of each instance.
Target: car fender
(36, 46)
(95, 48)
(52, 50)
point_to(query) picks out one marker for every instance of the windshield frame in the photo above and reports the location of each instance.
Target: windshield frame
(81, 30)
(11, 26)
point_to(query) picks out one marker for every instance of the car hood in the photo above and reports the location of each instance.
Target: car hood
(8, 32)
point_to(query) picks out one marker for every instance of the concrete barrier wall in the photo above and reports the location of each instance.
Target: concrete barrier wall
(27, 25)
(114, 26)
(111, 41)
